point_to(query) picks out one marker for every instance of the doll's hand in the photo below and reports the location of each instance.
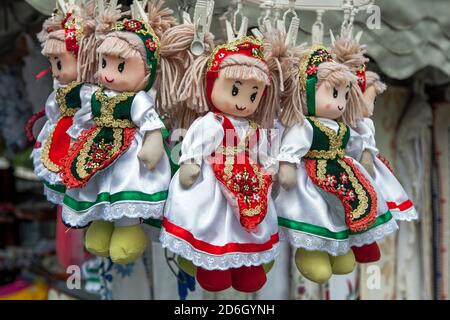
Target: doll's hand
(189, 173)
(152, 149)
(287, 175)
(367, 162)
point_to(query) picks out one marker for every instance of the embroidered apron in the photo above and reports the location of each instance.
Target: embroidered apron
(99, 146)
(242, 180)
(58, 142)
(329, 168)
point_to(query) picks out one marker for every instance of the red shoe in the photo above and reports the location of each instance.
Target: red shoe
(213, 280)
(248, 279)
(367, 253)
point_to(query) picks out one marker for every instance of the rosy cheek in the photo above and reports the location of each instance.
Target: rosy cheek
(328, 106)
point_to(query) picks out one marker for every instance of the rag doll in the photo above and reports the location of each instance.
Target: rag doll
(347, 50)
(219, 214)
(117, 171)
(327, 202)
(62, 37)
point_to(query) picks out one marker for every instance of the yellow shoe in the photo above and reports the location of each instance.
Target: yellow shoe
(127, 244)
(98, 237)
(343, 264)
(187, 266)
(268, 266)
(313, 265)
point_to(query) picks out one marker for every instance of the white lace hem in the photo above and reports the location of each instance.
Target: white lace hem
(407, 215)
(110, 212)
(41, 171)
(288, 158)
(53, 196)
(216, 262)
(334, 247)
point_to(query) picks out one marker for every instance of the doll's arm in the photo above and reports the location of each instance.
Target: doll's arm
(266, 150)
(202, 139)
(295, 143)
(83, 118)
(358, 147)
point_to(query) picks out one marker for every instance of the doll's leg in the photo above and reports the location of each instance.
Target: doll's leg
(187, 266)
(343, 264)
(248, 279)
(313, 265)
(367, 253)
(128, 241)
(98, 237)
(213, 280)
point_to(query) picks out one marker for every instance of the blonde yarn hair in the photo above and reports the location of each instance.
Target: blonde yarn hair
(373, 79)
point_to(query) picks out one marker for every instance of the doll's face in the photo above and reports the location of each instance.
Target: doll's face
(64, 67)
(238, 98)
(120, 74)
(369, 96)
(331, 101)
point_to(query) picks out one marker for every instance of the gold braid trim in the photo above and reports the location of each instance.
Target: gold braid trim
(336, 150)
(61, 93)
(84, 156)
(45, 155)
(106, 118)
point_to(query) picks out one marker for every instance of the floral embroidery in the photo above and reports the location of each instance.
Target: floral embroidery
(150, 44)
(132, 25)
(312, 69)
(343, 177)
(330, 180)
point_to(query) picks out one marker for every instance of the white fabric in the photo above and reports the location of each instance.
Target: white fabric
(126, 173)
(385, 180)
(203, 209)
(308, 204)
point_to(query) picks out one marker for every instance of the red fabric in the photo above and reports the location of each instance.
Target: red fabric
(367, 253)
(248, 184)
(408, 204)
(248, 279)
(218, 250)
(213, 280)
(60, 140)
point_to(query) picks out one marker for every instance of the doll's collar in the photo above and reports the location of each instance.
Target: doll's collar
(309, 66)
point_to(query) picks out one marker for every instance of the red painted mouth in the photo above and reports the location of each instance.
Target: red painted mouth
(109, 81)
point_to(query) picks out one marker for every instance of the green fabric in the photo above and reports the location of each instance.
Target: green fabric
(324, 232)
(73, 99)
(311, 95)
(115, 197)
(122, 110)
(157, 223)
(55, 187)
(320, 139)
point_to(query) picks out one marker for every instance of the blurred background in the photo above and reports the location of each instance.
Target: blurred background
(409, 45)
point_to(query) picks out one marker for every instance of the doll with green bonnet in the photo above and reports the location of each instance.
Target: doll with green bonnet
(327, 202)
(117, 172)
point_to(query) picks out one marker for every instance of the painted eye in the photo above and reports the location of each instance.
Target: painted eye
(346, 95)
(103, 63)
(121, 67)
(58, 65)
(234, 91)
(253, 96)
(335, 93)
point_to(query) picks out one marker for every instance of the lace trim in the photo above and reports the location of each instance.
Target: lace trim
(41, 171)
(109, 212)
(288, 158)
(336, 247)
(213, 262)
(53, 196)
(408, 215)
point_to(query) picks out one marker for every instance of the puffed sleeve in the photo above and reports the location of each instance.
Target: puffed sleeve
(296, 142)
(83, 118)
(143, 113)
(355, 145)
(369, 135)
(52, 109)
(202, 138)
(265, 150)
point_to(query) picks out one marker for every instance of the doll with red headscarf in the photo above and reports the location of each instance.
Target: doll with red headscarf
(219, 214)
(64, 38)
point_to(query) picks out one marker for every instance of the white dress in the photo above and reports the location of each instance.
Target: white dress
(199, 223)
(313, 219)
(397, 200)
(53, 187)
(126, 188)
